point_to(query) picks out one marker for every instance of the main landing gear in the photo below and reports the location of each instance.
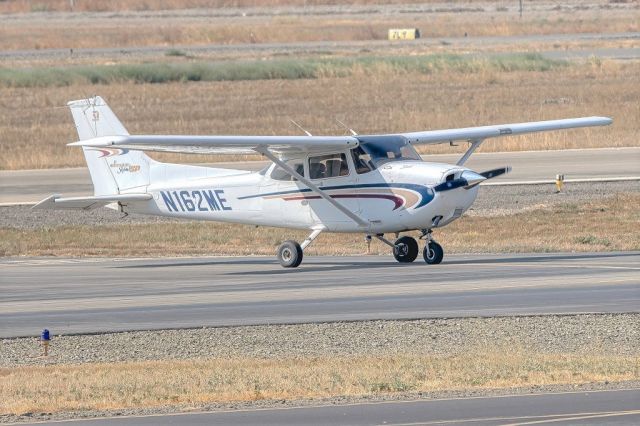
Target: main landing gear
(405, 249)
(290, 253)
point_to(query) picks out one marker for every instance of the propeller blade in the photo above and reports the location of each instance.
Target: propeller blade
(490, 174)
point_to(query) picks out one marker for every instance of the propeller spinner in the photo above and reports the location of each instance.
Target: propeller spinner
(468, 179)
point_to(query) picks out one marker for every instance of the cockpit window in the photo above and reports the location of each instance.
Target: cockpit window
(361, 160)
(328, 166)
(374, 151)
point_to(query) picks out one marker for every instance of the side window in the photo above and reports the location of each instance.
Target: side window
(361, 160)
(328, 166)
(280, 174)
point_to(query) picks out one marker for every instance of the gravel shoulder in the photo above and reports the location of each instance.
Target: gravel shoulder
(594, 334)
(587, 335)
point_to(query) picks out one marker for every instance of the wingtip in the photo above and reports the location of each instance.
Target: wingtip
(604, 121)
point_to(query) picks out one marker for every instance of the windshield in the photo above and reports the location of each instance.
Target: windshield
(374, 151)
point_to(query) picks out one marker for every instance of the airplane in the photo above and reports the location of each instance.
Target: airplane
(368, 184)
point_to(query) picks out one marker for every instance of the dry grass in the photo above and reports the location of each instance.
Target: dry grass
(23, 6)
(109, 33)
(205, 27)
(188, 383)
(575, 227)
(35, 125)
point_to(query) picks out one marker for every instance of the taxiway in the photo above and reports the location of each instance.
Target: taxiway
(614, 407)
(100, 295)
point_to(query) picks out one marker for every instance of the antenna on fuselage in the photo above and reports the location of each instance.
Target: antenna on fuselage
(300, 127)
(353, 132)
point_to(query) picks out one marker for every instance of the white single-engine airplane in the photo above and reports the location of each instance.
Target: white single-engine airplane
(368, 184)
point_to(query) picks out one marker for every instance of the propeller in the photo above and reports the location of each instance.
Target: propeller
(468, 179)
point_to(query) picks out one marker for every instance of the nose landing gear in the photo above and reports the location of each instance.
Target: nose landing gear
(432, 252)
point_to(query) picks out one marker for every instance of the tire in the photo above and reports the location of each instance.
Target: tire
(290, 254)
(433, 253)
(406, 249)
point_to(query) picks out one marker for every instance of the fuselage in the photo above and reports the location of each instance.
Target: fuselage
(397, 196)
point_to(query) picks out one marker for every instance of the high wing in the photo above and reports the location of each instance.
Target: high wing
(222, 144)
(485, 132)
(283, 145)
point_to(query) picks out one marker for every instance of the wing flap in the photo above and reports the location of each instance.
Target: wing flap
(485, 132)
(56, 202)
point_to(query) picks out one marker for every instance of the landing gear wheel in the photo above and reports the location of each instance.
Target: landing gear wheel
(432, 253)
(290, 254)
(406, 249)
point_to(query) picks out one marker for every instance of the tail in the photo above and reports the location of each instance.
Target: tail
(113, 171)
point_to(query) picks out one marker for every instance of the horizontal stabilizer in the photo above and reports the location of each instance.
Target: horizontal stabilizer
(56, 202)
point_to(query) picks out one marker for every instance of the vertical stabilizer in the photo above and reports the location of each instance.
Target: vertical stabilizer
(112, 170)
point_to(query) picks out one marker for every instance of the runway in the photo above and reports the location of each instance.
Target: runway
(31, 186)
(575, 408)
(99, 295)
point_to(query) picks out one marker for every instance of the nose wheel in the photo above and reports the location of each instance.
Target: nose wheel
(432, 252)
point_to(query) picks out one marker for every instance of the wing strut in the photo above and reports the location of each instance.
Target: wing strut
(474, 145)
(265, 151)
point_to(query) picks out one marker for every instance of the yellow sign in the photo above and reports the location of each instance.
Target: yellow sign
(404, 33)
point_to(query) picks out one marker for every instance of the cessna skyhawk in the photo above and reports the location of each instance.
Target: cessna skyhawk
(368, 184)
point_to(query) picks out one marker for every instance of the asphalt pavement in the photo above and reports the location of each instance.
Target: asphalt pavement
(615, 407)
(30, 186)
(100, 295)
